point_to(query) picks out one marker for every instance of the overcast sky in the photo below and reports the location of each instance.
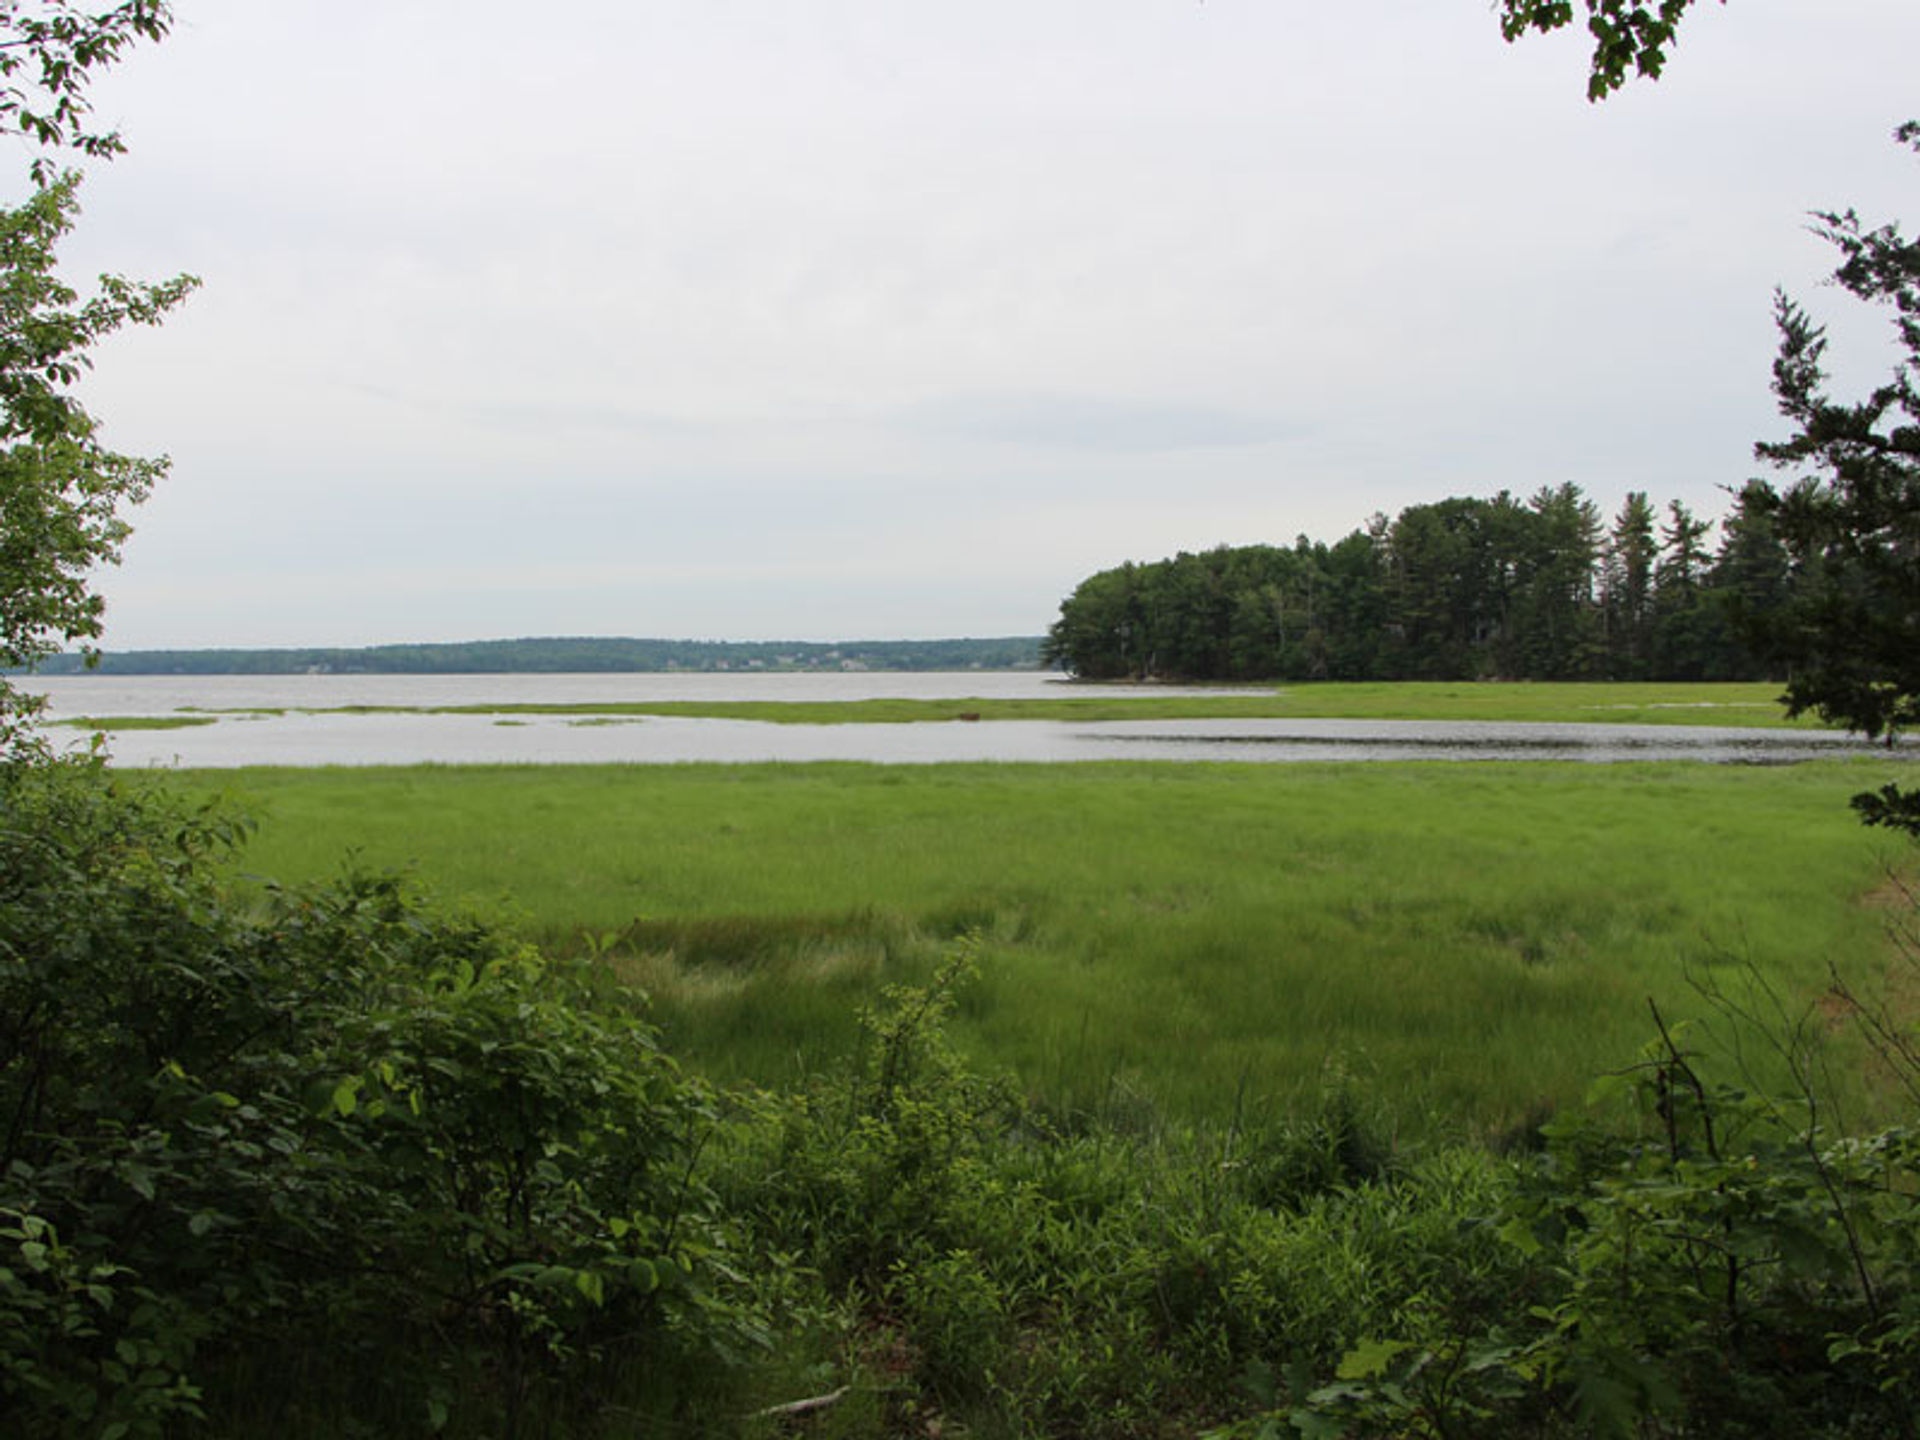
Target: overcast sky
(759, 319)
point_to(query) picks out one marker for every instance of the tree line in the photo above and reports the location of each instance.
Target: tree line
(573, 655)
(1460, 589)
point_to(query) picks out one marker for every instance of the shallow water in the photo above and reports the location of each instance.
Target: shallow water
(163, 694)
(407, 739)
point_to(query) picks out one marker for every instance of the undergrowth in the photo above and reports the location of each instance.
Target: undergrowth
(336, 1162)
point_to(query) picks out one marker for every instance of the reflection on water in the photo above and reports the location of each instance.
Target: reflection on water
(1441, 740)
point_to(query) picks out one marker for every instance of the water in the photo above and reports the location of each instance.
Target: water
(405, 739)
(163, 694)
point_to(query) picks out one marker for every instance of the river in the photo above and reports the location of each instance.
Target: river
(295, 738)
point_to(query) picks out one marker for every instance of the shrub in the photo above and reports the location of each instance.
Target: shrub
(440, 1169)
(1732, 1270)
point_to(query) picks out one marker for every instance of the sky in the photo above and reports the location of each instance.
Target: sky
(748, 319)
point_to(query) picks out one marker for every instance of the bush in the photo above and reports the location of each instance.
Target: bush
(1093, 1284)
(1730, 1270)
(333, 1125)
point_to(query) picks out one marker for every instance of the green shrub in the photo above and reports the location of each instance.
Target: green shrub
(1094, 1283)
(1732, 1270)
(444, 1174)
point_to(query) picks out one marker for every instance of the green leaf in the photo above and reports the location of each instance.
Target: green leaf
(1370, 1359)
(1518, 1232)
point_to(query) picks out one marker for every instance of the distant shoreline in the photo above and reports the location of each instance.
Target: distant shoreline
(570, 655)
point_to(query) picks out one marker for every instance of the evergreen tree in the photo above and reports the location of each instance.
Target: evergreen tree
(1679, 637)
(1748, 592)
(1627, 589)
(1556, 630)
(1851, 522)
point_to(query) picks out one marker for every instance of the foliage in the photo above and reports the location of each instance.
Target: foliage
(1460, 589)
(1630, 37)
(48, 51)
(339, 1128)
(575, 656)
(1737, 1270)
(61, 490)
(1850, 523)
(1062, 1275)
(337, 1163)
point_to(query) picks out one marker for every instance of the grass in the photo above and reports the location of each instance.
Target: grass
(1643, 704)
(1470, 942)
(135, 722)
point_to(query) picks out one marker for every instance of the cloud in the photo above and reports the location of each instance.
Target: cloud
(1084, 422)
(745, 314)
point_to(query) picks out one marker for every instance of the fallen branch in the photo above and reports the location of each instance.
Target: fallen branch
(802, 1407)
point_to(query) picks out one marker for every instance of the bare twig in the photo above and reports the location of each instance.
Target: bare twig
(811, 1405)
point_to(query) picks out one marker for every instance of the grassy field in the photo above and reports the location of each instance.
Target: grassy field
(1465, 942)
(1645, 704)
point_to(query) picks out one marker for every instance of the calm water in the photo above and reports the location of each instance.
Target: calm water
(295, 739)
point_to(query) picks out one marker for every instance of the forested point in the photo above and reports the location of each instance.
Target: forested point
(1462, 589)
(571, 655)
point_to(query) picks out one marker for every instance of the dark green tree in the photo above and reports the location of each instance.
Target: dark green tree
(1626, 589)
(1555, 624)
(1446, 589)
(1680, 620)
(1102, 630)
(1850, 521)
(1747, 591)
(1353, 607)
(1191, 616)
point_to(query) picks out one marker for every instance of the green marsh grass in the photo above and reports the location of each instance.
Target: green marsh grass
(135, 722)
(1643, 704)
(1468, 942)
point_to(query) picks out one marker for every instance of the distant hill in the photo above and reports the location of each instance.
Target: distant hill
(572, 655)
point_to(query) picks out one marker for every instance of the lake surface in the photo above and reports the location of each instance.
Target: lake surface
(404, 739)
